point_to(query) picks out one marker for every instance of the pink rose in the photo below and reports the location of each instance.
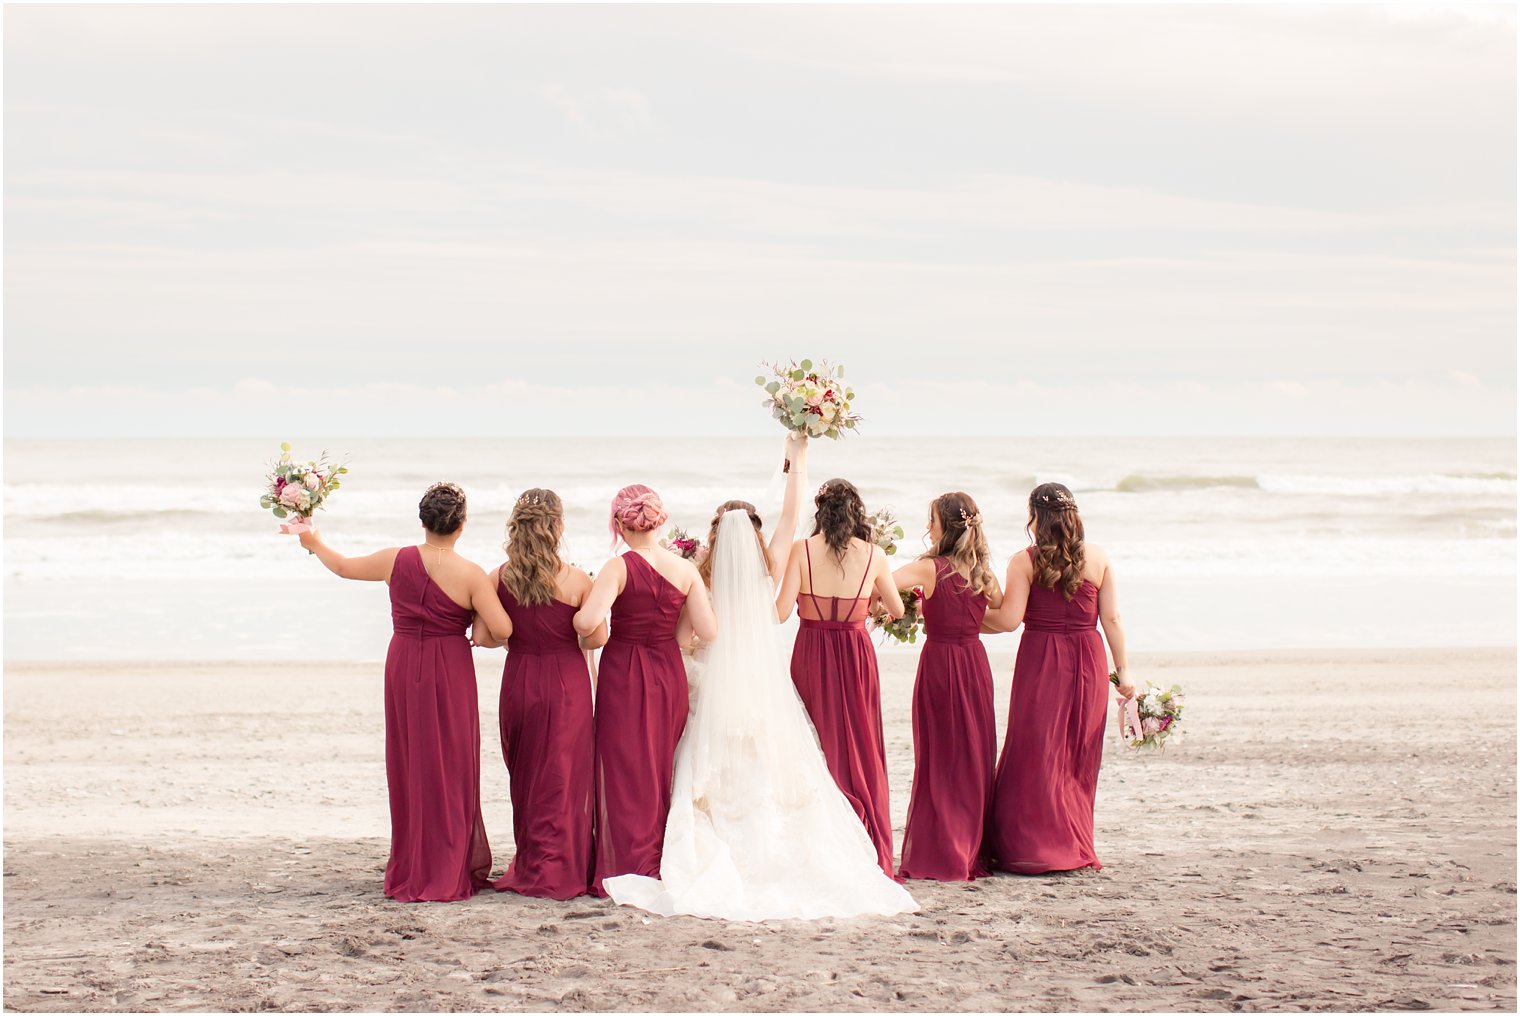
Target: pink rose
(294, 496)
(312, 481)
(1149, 726)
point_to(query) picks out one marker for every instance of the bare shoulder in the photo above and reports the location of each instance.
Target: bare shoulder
(1095, 555)
(1021, 563)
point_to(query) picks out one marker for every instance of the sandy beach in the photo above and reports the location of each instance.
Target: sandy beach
(1338, 832)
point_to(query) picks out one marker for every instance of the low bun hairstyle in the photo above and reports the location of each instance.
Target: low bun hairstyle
(636, 508)
(442, 509)
(962, 541)
(1056, 529)
(531, 573)
(706, 567)
(840, 515)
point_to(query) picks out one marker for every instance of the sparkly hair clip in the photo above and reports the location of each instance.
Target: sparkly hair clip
(525, 499)
(823, 489)
(971, 520)
(1056, 501)
(446, 485)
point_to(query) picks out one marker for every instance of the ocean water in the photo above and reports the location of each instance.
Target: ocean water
(144, 549)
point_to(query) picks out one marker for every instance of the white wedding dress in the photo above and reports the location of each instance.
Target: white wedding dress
(757, 830)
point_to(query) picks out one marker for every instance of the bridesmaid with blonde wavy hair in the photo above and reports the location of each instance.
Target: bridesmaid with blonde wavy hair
(641, 691)
(954, 731)
(547, 736)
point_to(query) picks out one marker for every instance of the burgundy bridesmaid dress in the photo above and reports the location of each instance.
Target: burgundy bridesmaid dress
(954, 737)
(834, 669)
(1047, 777)
(432, 743)
(641, 702)
(547, 741)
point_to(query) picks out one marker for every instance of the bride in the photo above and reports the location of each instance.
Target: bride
(757, 828)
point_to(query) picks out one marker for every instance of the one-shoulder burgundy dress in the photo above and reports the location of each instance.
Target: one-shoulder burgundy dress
(432, 743)
(834, 669)
(641, 703)
(1047, 777)
(550, 751)
(954, 737)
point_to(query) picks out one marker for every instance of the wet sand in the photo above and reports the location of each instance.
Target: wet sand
(1337, 832)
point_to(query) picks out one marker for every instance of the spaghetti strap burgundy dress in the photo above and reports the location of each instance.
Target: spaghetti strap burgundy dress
(834, 669)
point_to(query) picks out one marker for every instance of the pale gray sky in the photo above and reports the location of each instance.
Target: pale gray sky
(577, 219)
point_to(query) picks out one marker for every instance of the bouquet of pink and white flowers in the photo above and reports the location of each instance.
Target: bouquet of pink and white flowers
(1152, 717)
(679, 541)
(808, 400)
(885, 530)
(907, 627)
(299, 488)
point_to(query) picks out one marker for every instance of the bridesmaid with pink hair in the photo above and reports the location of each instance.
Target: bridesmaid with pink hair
(1061, 589)
(829, 579)
(432, 720)
(954, 732)
(641, 691)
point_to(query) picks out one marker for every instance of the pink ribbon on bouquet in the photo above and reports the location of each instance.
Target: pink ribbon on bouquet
(301, 524)
(1129, 709)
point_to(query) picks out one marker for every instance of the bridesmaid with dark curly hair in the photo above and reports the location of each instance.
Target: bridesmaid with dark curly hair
(432, 720)
(1060, 588)
(829, 579)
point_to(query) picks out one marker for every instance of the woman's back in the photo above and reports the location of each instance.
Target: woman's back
(1050, 610)
(539, 627)
(649, 606)
(955, 611)
(420, 606)
(834, 587)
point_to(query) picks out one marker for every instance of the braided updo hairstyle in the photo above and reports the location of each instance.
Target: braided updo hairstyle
(636, 508)
(962, 541)
(531, 573)
(1057, 532)
(442, 508)
(840, 515)
(706, 567)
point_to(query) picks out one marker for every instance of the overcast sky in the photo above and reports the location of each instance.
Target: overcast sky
(539, 220)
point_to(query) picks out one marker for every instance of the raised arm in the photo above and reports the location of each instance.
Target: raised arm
(374, 567)
(785, 533)
(1009, 613)
(791, 583)
(698, 610)
(604, 589)
(1113, 630)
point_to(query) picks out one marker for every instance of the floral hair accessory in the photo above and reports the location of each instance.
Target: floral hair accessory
(971, 520)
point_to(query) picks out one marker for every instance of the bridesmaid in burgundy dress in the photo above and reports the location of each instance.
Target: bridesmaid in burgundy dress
(1047, 777)
(641, 692)
(432, 721)
(833, 661)
(954, 732)
(546, 729)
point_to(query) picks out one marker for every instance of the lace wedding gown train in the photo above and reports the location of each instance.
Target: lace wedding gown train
(757, 829)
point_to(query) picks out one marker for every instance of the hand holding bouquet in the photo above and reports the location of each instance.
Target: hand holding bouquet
(811, 401)
(1152, 717)
(678, 541)
(905, 628)
(297, 489)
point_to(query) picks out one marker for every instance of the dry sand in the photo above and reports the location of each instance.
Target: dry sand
(1338, 832)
